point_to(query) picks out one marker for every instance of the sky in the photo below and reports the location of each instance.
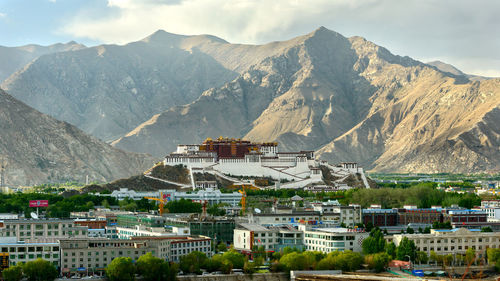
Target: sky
(464, 33)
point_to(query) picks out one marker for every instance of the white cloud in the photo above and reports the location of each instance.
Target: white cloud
(243, 21)
(3, 15)
(457, 29)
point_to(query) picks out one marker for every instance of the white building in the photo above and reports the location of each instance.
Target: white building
(260, 160)
(213, 196)
(349, 215)
(144, 231)
(25, 252)
(328, 240)
(46, 230)
(452, 241)
(248, 235)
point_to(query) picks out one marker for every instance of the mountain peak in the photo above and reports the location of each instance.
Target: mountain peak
(163, 37)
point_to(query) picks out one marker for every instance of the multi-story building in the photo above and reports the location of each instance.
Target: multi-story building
(211, 195)
(48, 230)
(247, 236)
(451, 241)
(465, 218)
(144, 231)
(93, 255)
(25, 252)
(131, 220)
(349, 215)
(419, 216)
(380, 217)
(292, 217)
(332, 239)
(219, 228)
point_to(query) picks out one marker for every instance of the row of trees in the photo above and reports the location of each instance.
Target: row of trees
(148, 266)
(37, 270)
(59, 207)
(424, 195)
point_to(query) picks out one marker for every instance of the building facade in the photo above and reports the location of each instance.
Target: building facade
(452, 241)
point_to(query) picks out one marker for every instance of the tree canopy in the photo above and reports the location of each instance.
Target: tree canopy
(121, 269)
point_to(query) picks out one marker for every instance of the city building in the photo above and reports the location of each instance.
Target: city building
(419, 216)
(349, 215)
(43, 230)
(452, 241)
(132, 220)
(328, 240)
(144, 231)
(248, 236)
(219, 228)
(212, 196)
(380, 217)
(90, 255)
(24, 252)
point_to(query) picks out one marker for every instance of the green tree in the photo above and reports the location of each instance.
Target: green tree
(406, 248)
(375, 243)
(486, 229)
(493, 255)
(193, 262)
(13, 273)
(152, 268)
(221, 247)
(40, 270)
(390, 249)
(294, 261)
(105, 204)
(121, 269)
(183, 206)
(422, 257)
(470, 256)
(410, 230)
(378, 262)
(216, 210)
(236, 259)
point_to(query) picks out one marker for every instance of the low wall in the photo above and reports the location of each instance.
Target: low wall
(237, 277)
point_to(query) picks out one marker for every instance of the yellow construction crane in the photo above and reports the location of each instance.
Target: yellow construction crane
(163, 200)
(243, 199)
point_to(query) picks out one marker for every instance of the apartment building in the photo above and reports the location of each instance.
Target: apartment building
(93, 255)
(328, 240)
(380, 217)
(250, 235)
(25, 252)
(450, 241)
(349, 215)
(142, 231)
(48, 230)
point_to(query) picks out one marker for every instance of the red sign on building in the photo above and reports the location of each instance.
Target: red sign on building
(39, 203)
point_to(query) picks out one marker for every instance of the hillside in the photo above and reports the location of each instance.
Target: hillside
(350, 100)
(39, 149)
(13, 59)
(108, 90)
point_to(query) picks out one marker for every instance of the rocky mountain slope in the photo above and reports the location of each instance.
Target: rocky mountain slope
(39, 149)
(445, 67)
(13, 59)
(347, 98)
(108, 90)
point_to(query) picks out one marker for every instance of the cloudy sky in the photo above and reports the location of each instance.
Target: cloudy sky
(463, 33)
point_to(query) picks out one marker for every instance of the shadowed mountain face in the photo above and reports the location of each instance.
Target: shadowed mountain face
(13, 59)
(108, 90)
(39, 149)
(347, 98)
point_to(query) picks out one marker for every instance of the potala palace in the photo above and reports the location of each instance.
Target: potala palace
(241, 158)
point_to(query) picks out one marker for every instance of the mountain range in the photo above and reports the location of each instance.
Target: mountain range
(36, 149)
(346, 98)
